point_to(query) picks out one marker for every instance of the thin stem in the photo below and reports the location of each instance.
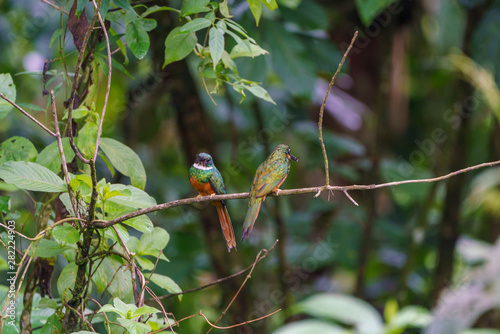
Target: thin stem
(27, 114)
(108, 88)
(61, 153)
(322, 109)
(220, 280)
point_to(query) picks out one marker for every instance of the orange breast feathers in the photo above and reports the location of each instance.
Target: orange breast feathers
(204, 189)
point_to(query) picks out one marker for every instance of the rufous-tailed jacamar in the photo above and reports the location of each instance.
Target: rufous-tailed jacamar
(206, 179)
(268, 178)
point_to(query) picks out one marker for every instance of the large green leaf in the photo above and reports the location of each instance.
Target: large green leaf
(194, 6)
(216, 44)
(7, 88)
(138, 199)
(87, 137)
(53, 325)
(49, 157)
(152, 243)
(125, 160)
(121, 285)
(345, 309)
(31, 176)
(178, 46)
(256, 9)
(166, 283)
(195, 25)
(137, 39)
(134, 326)
(249, 50)
(17, 149)
(66, 281)
(66, 234)
(369, 9)
(49, 248)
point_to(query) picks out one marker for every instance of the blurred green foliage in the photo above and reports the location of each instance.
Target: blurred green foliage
(417, 98)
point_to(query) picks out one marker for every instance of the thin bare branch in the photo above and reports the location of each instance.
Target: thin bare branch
(61, 9)
(220, 280)
(61, 153)
(27, 114)
(259, 255)
(108, 88)
(322, 109)
(283, 192)
(75, 84)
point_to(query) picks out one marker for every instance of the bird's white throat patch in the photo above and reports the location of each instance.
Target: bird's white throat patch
(198, 166)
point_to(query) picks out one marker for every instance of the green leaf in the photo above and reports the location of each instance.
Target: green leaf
(31, 176)
(216, 44)
(53, 325)
(148, 24)
(177, 46)
(144, 310)
(125, 161)
(17, 149)
(4, 204)
(31, 106)
(194, 6)
(256, 9)
(410, 316)
(137, 200)
(271, 4)
(124, 4)
(137, 39)
(104, 8)
(259, 92)
(224, 10)
(342, 308)
(229, 63)
(87, 137)
(46, 302)
(80, 5)
(49, 157)
(141, 223)
(49, 248)
(166, 283)
(55, 36)
(195, 25)
(77, 113)
(100, 279)
(240, 50)
(7, 88)
(66, 234)
(134, 326)
(121, 284)
(369, 9)
(152, 243)
(155, 8)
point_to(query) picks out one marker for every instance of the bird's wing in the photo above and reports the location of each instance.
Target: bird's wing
(217, 183)
(266, 179)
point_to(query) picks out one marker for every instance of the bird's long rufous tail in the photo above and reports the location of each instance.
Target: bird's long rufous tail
(227, 227)
(253, 212)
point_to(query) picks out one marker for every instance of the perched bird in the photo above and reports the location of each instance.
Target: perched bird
(268, 178)
(206, 179)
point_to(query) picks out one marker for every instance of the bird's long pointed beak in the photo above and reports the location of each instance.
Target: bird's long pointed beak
(292, 157)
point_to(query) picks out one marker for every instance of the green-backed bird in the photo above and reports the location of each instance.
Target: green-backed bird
(268, 178)
(206, 179)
